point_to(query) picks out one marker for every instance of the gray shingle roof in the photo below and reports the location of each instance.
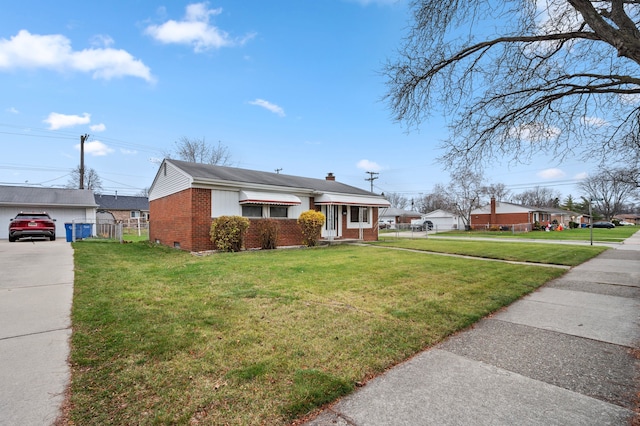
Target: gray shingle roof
(122, 202)
(206, 172)
(28, 195)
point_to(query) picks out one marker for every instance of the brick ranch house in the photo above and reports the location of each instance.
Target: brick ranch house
(185, 197)
(124, 208)
(501, 214)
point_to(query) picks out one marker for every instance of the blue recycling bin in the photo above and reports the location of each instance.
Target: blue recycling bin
(83, 230)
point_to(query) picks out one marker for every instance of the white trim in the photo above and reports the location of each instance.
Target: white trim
(354, 200)
(268, 198)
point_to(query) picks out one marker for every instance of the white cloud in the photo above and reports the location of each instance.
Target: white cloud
(128, 151)
(534, 132)
(58, 121)
(95, 148)
(54, 52)
(98, 127)
(194, 30)
(582, 175)
(268, 106)
(13, 110)
(369, 166)
(551, 173)
(594, 121)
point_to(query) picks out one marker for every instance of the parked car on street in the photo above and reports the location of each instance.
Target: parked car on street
(421, 226)
(625, 223)
(608, 225)
(39, 225)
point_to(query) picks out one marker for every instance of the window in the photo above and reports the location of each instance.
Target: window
(135, 213)
(354, 214)
(251, 211)
(278, 211)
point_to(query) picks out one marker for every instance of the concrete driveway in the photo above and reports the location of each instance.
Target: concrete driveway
(36, 290)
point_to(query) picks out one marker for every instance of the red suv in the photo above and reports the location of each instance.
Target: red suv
(32, 225)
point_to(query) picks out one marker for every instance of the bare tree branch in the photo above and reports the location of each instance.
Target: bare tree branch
(519, 80)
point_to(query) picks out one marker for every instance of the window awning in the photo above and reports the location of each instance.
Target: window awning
(275, 198)
(355, 200)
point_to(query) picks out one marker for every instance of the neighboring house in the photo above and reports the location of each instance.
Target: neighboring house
(125, 209)
(500, 214)
(63, 205)
(185, 197)
(629, 217)
(392, 216)
(443, 220)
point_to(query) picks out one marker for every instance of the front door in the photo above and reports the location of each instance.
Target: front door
(332, 226)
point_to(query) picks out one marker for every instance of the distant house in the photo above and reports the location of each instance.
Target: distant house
(444, 220)
(185, 197)
(63, 205)
(629, 217)
(122, 208)
(499, 214)
(391, 216)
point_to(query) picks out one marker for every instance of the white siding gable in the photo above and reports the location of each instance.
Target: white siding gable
(169, 180)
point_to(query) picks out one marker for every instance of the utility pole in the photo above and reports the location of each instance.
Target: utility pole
(278, 170)
(83, 138)
(371, 178)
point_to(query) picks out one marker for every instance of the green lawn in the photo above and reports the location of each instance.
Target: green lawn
(555, 254)
(616, 235)
(261, 337)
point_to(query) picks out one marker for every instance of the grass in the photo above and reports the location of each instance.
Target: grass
(616, 235)
(569, 255)
(262, 337)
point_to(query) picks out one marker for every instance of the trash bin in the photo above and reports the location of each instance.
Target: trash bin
(83, 230)
(86, 230)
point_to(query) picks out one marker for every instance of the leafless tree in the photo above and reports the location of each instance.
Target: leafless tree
(608, 191)
(464, 193)
(199, 151)
(539, 196)
(397, 200)
(91, 179)
(144, 192)
(523, 77)
(434, 200)
(498, 191)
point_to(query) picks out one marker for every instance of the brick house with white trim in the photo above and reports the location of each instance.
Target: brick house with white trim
(500, 214)
(185, 197)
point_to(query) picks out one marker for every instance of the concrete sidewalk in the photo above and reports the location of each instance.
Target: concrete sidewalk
(560, 356)
(36, 290)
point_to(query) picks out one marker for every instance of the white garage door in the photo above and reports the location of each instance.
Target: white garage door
(60, 214)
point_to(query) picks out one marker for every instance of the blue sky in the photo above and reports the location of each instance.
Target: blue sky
(292, 85)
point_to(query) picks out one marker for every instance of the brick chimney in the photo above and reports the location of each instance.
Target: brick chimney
(330, 176)
(493, 211)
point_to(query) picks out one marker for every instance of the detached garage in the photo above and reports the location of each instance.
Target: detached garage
(63, 205)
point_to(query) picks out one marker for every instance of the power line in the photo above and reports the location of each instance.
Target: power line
(371, 178)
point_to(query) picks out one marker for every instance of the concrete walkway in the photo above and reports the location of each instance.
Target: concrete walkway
(36, 290)
(561, 356)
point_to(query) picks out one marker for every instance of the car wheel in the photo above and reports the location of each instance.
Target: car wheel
(53, 238)
(12, 239)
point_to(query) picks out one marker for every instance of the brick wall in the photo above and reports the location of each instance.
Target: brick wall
(182, 220)
(369, 234)
(170, 219)
(289, 233)
(500, 219)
